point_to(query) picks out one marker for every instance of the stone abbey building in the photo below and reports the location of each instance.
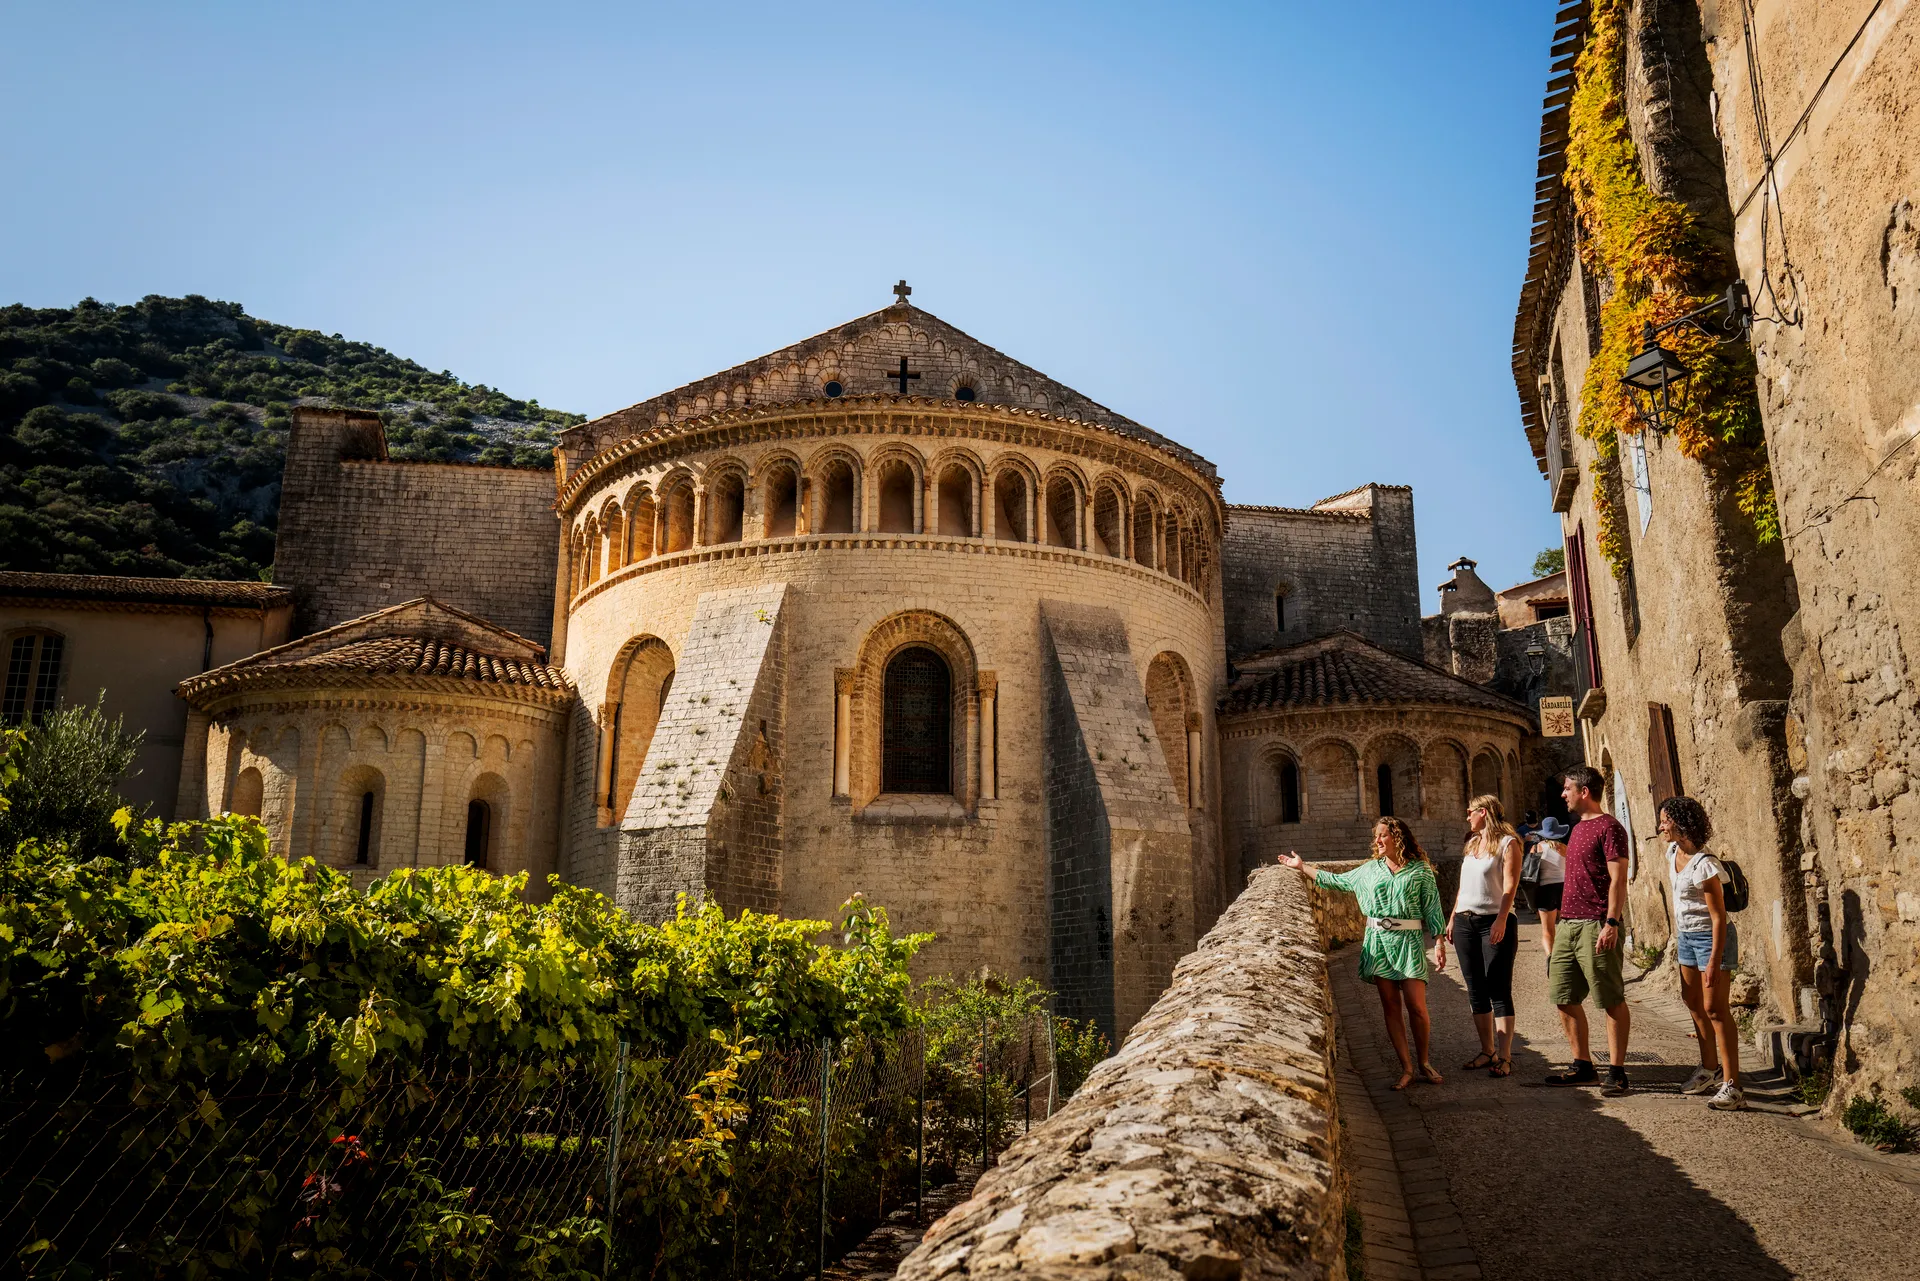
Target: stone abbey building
(883, 612)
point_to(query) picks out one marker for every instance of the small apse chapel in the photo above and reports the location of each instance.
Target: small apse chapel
(884, 612)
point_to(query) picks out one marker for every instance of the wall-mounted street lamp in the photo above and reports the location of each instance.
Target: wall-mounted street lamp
(1653, 374)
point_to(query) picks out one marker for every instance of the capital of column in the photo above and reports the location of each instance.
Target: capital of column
(843, 681)
(988, 683)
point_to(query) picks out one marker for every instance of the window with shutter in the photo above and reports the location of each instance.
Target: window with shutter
(1586, 651)
(1663, 754)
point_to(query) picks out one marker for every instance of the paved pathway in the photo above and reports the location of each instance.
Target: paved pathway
(1511, 1179)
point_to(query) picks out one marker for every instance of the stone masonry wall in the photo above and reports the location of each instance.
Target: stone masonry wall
(1347, 563)
(1123, 794)
(1206, 1148)
(1832, 246)
(705, 815)
(358, 533)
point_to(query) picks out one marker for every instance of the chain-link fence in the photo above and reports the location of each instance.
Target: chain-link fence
(717, 1161)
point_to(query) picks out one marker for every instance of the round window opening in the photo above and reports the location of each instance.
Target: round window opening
(963, 392)
(834, 390)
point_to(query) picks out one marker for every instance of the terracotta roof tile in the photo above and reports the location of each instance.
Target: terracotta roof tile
(196, 592)
(1346, 669)
(425, 656)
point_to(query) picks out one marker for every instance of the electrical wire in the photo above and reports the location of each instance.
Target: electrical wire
(1825, 515)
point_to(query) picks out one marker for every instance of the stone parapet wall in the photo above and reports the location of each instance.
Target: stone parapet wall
(1206, 1148)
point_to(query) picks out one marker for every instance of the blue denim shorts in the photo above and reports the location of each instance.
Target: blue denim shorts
(1693, 949)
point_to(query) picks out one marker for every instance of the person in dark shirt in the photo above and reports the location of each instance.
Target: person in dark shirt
(1587, 949)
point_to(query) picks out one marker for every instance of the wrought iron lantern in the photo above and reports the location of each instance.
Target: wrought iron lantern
(1655, 372)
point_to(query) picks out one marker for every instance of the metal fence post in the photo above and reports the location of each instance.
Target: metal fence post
(613, 1146)
(826, 1095)
(920, 1151)
(1053, 1064)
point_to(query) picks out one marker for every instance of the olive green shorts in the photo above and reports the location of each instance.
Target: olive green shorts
(1577, 969)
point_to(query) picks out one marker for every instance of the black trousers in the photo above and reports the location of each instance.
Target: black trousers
(1487, 968)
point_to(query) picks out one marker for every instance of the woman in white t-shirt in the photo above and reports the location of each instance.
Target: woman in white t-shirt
(1549, 845)
(1707, 948)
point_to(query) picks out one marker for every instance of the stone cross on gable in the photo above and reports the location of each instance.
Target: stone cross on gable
(903, 376)
(900, 292)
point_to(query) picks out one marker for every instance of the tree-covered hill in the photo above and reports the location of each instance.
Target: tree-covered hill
(148, 440)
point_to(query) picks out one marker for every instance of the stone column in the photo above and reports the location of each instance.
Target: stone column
(802, 506)
(924, 507)
(982, 489)
(843, 731)
(1193, 761)
(989, 690)
(699, 538)
(986, 518)
(190, 799)
(1033, 510)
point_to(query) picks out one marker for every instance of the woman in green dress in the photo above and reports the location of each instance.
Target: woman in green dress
(1397, 890)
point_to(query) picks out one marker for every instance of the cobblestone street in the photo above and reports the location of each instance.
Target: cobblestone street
(1510, 1179)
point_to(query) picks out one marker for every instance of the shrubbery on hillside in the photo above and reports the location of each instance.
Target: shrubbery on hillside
(148, 439)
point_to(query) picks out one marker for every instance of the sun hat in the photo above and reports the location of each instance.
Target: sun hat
(1550, 829)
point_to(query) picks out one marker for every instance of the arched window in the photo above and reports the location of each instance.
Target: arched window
(1383, 781)
(1143, 533)
(916, 743)
(640, 680)
(594, 548)
(640, 528)
(1063, 513)
(836, 498)
(783, 502)
(363, 847)
(1289, 792)
(956, 502)
(1109, 524)
(33, 676)
(896, 498)
(679, 522)
(726, 509)
(1010, 506)
(615, 526)
(1280, 612)
(479, 832)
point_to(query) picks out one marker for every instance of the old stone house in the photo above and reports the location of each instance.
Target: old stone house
(884, 612)
(1761, 669)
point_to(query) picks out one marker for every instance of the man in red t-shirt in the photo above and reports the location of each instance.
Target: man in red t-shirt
(1586, 946)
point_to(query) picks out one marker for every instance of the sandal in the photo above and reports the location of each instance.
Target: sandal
(1430, 1074)
(1480, 1060)
(1406, 1079)
(1501, 1067)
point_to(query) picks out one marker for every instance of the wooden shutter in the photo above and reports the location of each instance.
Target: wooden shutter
(1582, 602)
(1663, 756)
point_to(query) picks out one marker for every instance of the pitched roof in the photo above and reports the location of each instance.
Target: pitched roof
(421, 643)
(102, 589)
(1346, 669)
(863, 356)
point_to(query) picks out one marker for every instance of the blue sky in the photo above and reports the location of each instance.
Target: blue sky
(1290, 235)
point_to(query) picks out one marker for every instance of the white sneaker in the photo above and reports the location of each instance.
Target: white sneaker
(1702, 1080)
(1728, 1098)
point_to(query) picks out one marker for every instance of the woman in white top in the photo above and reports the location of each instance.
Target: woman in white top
(1486, 934)
(1707, 948)
(1550, 845)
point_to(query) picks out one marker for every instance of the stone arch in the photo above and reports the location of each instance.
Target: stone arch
(1391, 775)
(1444, 766)
(914, 628)
(1170, 703)
(489, 815)
(898, 475)
(249, 792)
(637, 687)
(1111, 508)
(780, 496)
(834, 476)
(1487, 771)
(1063, 496)
(1016, 488)
(956, 486)
(726, 505)
(1172, 544)
(577, 563)
(641, 519)
(1145, 527)
(676, 513)
(613, 528)
(591, 534)
(1332, 782)
(1278, 786)
(359, 812)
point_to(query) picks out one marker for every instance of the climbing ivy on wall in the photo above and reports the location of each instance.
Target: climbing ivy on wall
(1661, 266)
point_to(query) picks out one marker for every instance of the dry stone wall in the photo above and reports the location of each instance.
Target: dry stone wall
(1206, 1148)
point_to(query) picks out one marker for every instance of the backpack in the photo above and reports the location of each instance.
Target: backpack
(1733, 888)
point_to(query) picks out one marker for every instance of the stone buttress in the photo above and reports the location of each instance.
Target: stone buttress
(1119, 846)
(705, 818)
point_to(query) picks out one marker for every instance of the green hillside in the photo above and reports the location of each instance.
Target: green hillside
(148, 439)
